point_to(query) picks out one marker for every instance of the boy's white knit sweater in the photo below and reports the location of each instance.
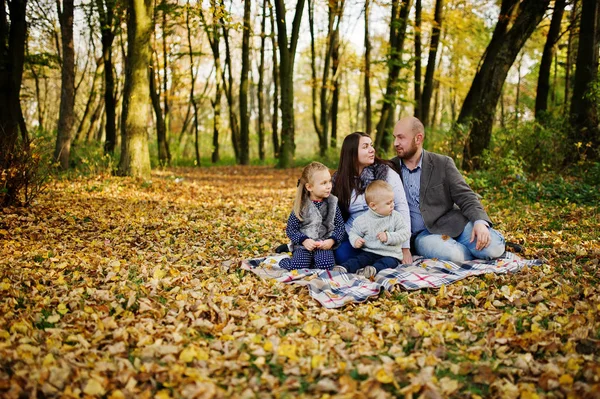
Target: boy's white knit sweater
(370, 223)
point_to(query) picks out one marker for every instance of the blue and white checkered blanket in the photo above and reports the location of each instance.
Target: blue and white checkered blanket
(335, 289)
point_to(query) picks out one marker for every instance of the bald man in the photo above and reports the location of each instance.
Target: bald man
(447, 219)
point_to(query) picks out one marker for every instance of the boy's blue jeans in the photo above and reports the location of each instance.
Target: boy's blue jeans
(457, 249)
(344, 252)
(366, 258)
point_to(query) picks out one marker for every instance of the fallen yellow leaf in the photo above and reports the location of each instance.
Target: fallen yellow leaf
(312, 328)
(384, 376)
(94, 388)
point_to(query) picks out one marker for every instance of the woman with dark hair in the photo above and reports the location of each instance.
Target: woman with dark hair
(357, 168)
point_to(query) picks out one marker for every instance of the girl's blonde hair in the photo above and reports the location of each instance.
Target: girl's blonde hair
(302, 194)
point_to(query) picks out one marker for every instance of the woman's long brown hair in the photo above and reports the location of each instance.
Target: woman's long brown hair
(346, 178)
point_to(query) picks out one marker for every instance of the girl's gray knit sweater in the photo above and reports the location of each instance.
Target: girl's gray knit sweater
(370, 223)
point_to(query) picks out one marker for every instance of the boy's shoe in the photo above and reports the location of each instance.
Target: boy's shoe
(338, 268)
(367, 271)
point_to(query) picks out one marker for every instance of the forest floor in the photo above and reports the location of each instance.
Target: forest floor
(113, 287)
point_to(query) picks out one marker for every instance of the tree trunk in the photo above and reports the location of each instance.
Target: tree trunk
(321, 124)
(480, 104)
(286, 74)
(570, 53)
(135, 157)
(87, 113)
(165, 81)
(436, 107)
(320, 129)
(543, 86)
(368, 109)
(107, 23)
(518, 95)
(399, 21)
(502, 112)
(228, 87)
(66, 116)
(214, 39)
(99, 110)
(261, 82)
(585, 135)
(40, 104)
(335, 96)
(193, 84)
(164, 156)
(12, 39)
(275, 118)
(433, 47)
(244, 114)
(417, 112)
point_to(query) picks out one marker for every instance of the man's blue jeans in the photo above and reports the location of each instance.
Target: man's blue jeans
(458, 249)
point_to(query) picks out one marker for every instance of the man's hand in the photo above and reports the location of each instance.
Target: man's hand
(482, 233)
(327, 244)
(406, 256)
(359, 243)
(310, 244)
(383, 237)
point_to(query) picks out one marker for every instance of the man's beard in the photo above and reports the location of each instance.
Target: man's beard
(408, 153)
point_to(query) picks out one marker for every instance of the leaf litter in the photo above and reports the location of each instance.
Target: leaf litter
(112, 287)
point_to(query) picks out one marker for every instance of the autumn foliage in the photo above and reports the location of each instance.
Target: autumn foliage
(114, 287)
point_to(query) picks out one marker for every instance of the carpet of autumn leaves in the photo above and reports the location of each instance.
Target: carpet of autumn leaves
(113, 287)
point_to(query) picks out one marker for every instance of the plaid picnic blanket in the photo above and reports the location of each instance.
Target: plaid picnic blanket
(335, 289)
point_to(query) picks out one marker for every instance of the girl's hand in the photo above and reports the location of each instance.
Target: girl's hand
(309, 244)
(406, 256)
(327, 244)
(382, 237)
(359, 243)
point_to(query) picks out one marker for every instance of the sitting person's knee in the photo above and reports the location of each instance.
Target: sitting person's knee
(456, 255)
(495, 250)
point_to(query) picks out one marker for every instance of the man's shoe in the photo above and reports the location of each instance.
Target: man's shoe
(367, 271)
(340, 269)
(282, 248)
(514, 247)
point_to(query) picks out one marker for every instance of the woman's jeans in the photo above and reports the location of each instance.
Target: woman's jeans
(457, 249)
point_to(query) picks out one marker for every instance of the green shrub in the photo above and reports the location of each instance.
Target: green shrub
(88, 158)
(539, 147)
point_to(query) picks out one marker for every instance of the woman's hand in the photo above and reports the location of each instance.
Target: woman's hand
(406, 256)
(310, 244)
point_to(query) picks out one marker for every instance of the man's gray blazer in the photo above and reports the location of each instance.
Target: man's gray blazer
(447, 203)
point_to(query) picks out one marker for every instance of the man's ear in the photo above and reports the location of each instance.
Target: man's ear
(419, 138)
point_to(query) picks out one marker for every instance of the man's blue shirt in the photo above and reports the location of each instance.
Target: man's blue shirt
(411, 179)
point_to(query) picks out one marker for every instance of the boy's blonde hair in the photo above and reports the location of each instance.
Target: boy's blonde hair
(302, 194)
(376, 188)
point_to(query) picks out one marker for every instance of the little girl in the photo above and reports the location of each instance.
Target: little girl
(315, 225)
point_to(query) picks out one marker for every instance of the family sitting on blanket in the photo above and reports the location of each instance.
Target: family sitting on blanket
(446, 219)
